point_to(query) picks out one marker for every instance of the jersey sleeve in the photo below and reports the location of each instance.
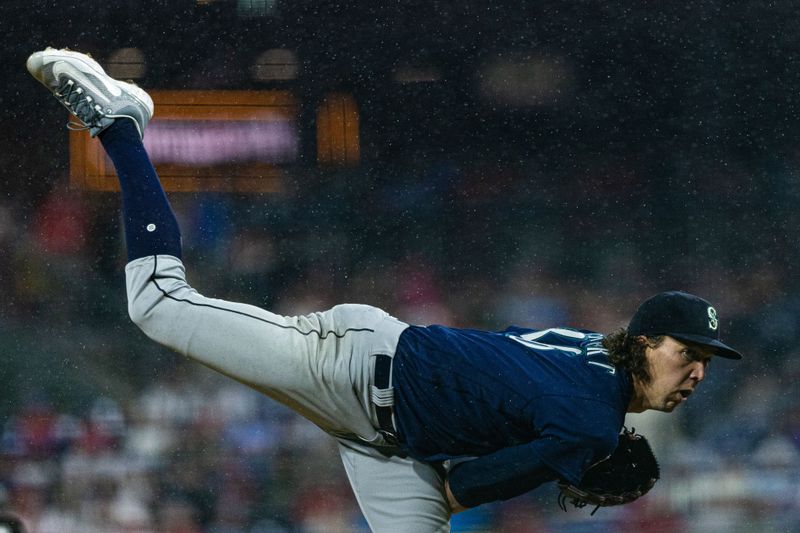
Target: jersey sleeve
(499, 476)
(518, 469)
(575, 433)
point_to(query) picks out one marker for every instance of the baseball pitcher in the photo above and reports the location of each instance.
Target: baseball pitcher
(429, 420)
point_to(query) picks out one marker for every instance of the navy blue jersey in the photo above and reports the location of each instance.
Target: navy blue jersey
(549, 393)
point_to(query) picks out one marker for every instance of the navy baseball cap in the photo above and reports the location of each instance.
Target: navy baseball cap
(682, 316)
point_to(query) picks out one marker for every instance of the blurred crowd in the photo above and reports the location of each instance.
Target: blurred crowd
(102, 431)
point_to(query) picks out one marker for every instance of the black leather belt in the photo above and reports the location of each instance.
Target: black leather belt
(383, 397)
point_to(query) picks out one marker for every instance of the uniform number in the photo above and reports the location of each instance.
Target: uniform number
(548, 339)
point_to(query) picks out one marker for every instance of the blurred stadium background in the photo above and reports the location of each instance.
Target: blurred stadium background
(529, 163)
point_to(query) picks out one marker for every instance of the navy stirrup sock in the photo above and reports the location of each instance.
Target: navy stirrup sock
(150, 224)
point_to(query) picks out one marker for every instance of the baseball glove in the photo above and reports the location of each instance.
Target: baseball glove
(627, 474)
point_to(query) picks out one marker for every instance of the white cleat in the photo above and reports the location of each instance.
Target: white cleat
(84, 88)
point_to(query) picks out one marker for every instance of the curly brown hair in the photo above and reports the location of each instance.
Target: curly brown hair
(628, 352)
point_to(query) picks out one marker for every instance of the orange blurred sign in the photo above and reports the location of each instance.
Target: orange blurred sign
(231, 141)
(338, 141)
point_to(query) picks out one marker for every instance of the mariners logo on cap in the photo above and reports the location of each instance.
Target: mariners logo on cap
(683, 316)
(713, 322)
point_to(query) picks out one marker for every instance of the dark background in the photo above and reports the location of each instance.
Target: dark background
(654, 147)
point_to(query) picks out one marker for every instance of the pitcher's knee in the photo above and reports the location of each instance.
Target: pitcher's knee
(149, 308)
(157, 319)
(139, 312)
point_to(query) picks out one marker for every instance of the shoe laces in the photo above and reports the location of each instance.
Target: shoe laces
(80, 104)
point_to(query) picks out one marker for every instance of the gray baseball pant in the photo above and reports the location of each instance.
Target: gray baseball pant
(320, 365)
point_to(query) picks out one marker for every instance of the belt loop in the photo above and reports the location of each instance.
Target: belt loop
(382, 395)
